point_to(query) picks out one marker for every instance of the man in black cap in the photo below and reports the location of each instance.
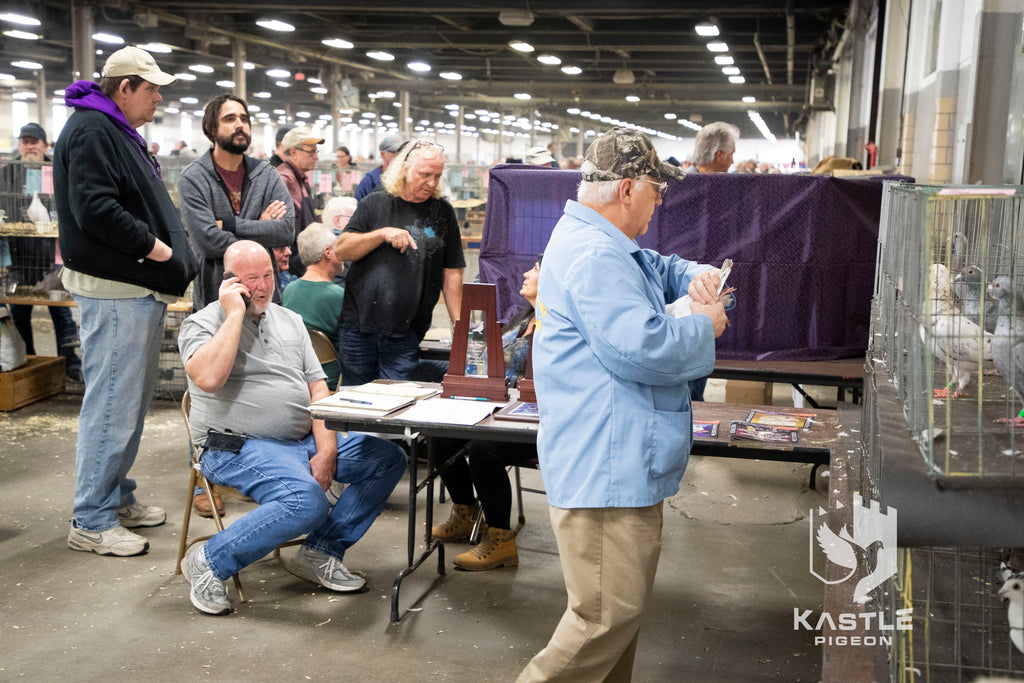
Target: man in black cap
(611, 371)
(275, 158)
(34, 256)
(388, 147)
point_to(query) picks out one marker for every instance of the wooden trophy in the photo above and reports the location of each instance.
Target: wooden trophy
(477, 297)
(526, 392)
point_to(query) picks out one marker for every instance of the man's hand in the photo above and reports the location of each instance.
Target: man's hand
(399, 239)
(714, 311)
(160, 252)
(230, 296)
(703, 289)
(274, 210)
(322, 466)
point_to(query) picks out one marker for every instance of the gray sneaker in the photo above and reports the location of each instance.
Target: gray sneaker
(208, 593)
(318, 567)
(117, 541)
(138, 514)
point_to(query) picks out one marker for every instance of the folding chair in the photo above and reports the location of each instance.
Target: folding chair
(325, 352)
(196, 478)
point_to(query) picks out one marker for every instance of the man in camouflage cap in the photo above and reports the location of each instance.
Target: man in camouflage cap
(611, 371)
(623, 153)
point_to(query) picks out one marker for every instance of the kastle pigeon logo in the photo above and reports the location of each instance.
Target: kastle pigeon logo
(874, 533)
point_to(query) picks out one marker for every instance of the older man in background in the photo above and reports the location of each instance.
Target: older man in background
(611, 371)
(406, 249)
(299, 154)
(714, 148)
(316, 296)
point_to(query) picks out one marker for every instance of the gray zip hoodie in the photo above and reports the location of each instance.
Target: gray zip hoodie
(204, 200)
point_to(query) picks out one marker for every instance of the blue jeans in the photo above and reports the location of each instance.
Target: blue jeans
(276, 475)
(120, 353)
(366, 356)
(64, 329)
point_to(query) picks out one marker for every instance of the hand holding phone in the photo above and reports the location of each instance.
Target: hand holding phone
(245, 297)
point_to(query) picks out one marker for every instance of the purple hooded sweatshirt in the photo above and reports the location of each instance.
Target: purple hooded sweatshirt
(87, 95)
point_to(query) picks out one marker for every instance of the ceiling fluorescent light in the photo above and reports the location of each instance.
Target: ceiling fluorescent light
(520, 46)
(275, 25)
(515, 17)
(623, 77)
(707, 29)
(718, 46)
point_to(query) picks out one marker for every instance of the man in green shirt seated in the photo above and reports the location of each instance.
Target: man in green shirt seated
(315, 296)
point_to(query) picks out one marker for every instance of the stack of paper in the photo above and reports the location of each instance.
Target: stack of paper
(374, 398)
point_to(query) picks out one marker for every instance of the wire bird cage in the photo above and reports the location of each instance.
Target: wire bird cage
(28, 244)
(939, 250)
(961, 627)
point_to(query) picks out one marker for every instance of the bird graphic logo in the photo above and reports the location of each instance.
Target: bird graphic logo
(874, 534)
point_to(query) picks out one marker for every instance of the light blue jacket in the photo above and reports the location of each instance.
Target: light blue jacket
(611, 368)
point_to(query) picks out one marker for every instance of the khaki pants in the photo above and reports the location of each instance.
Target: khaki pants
(609, 558)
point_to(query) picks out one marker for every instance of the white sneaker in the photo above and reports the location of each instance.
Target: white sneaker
(321, 568)
(117, 541)
(137, 514)
(208, 593)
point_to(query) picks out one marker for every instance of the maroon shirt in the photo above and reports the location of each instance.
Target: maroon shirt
(233, 180)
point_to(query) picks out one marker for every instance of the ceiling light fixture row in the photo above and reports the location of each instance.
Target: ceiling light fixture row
(576, 111)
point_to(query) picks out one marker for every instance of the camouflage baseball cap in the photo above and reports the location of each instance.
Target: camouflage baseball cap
(623, 153)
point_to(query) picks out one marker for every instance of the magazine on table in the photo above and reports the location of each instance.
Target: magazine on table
(375, 398)
(748, 431)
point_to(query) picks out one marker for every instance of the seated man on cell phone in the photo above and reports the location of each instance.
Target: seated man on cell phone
(252, 372)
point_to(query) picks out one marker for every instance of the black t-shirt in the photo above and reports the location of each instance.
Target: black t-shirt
(387, 291)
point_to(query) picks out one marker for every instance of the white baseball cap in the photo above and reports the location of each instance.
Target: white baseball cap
(134, 61)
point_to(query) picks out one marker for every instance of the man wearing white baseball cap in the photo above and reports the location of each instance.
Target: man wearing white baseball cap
(126, 256)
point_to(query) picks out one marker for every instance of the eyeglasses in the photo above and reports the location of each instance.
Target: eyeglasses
(307, 150)
(661, 186)
(425, 143)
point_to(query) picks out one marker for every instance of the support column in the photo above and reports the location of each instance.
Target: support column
(404, 126)
(458, 134)
(43, 103)
(83, 56)
(239, 75)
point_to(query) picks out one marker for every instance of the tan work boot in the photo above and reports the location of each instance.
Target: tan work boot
(458, 527)
(497, 549)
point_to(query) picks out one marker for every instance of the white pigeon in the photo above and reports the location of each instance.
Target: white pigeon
(1013, 591)
(958, 342)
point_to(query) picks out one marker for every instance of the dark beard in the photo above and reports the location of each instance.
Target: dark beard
(229, 145)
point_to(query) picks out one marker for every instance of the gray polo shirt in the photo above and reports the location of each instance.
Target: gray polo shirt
(267, 394)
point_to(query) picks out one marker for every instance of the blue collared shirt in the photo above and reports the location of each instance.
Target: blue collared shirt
(611, 368)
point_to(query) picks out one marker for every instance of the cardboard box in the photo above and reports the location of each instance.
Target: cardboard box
(740, 391)
(42, 376)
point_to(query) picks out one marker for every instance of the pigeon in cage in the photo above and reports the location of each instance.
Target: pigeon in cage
(968, 288)
(957, 341)
(1013, 592)
(1008, 339)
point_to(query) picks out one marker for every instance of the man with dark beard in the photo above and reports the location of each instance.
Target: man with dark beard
(226, 196)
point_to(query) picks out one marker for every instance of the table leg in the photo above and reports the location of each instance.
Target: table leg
(431, 545)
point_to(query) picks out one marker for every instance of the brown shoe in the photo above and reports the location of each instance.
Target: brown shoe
(497, 549)
(457, 528)
(201, 504)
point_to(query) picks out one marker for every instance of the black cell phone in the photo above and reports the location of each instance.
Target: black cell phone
(245, 298)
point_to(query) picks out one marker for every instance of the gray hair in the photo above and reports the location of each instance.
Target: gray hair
(394, 178)
(338, 206)
(597, 192)
(312, 241)
(711, 138)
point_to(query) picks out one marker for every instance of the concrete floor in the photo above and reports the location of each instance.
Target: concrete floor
(733, 567)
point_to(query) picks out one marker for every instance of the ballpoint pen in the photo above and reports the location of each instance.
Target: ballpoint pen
(468, 398)
(355, 400)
